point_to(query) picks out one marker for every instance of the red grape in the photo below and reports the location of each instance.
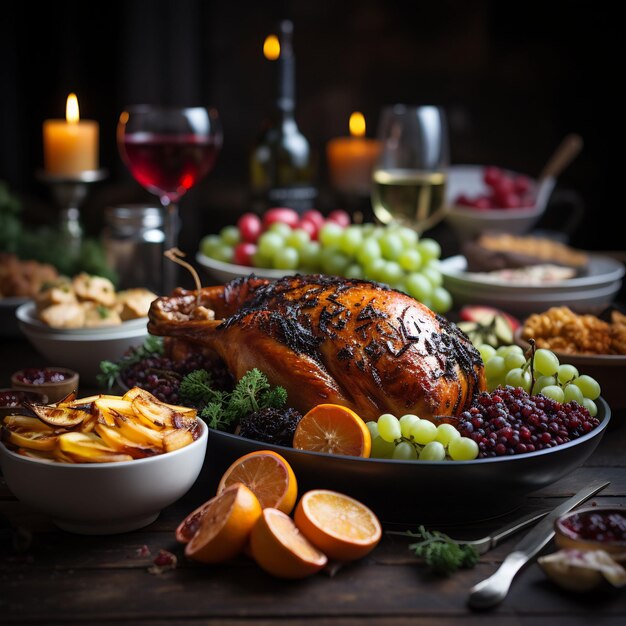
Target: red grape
(310, 226)
(281, 214)
(339, 216)
(243, 253)
(492, 175)
(314, 216)
(522, 184)
(250, 227)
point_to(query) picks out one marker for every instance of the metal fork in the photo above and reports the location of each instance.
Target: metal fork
(484, 544)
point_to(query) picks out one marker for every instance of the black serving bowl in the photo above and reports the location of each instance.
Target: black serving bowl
(428, 492)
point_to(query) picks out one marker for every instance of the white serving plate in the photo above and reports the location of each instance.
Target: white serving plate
(223, 272)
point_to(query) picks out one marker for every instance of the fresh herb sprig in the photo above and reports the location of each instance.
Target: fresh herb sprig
(224, 409)
(441, 553)
(110, 370)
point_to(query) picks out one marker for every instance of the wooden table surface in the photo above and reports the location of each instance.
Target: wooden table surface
(48, 576)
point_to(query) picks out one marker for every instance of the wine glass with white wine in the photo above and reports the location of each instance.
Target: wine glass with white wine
(409, 177)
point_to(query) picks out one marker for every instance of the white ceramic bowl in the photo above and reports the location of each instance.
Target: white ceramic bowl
(104, 498)
(81, 351)
(223, 272)
(468, 222)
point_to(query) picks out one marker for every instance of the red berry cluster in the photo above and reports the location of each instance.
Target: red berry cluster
(505, 191)
(510, 421)
(251, 226)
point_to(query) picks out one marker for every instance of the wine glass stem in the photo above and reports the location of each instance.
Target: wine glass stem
(171, 225)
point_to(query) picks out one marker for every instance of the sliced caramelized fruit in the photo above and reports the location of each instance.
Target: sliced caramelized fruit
(89, 448)
(113, 438)
(177, 438)
(65, 417)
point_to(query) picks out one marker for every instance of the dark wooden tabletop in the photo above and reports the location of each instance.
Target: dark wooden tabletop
(48, 576)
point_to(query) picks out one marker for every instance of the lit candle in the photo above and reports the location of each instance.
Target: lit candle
(70, 146)
(351, 159)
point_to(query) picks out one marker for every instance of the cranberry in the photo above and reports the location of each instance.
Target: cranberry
(492, 175)
(39, 376)
(521, 184)
(483, 202)
(596, 525)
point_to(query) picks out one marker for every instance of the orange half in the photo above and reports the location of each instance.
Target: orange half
(281, 549)
(268, 475)
(340, 526)
(224, 526)
(333, 429)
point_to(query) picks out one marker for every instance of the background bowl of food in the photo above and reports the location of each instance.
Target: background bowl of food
(95, 480)
(483, 197)
(79, 322)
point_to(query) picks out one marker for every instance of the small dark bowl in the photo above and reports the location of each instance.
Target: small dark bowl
(12, 400)
(427, 492)
(55, 390)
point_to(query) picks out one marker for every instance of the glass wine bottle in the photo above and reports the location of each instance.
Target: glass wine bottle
(282, 169)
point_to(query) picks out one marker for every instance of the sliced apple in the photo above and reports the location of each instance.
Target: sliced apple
(108, 408)
(34, 440)
(177, 438)
(26, 422)
(60, 417)
(132, 429)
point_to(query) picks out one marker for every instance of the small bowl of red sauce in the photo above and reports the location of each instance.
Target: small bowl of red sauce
(54, 382)
(12, 400)
(594, 528)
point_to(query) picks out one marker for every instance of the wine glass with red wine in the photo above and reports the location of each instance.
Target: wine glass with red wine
(168, 150)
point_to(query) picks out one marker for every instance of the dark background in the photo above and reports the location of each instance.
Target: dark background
(514, 78)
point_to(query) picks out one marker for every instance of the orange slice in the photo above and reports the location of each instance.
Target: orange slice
(340, 526)
(268, 475)
(281, 549)
(225, 525)
(333, 429)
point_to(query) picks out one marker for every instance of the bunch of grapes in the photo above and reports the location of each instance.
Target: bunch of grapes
(410, 438)
(539, 373)
(510, 421)
(391, 254)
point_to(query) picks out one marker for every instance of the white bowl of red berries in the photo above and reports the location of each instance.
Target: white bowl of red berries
(488, 198)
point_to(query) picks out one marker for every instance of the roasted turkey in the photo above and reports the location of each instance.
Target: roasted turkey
(329, 339)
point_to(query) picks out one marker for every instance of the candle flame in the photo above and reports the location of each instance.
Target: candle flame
(71, 109)
(271, 48)
(357, 124)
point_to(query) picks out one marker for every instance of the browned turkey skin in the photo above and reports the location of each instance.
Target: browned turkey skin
(329, 339)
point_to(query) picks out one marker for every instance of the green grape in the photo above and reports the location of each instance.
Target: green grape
(406, 421)
(330, 234)
(280, 228)
(572, 393)
(463, 449)
(494, 368)
(566, 373)
(591, 406)
(503, 350)
(389, 427)
(269, 243)
(486, 351)
(298, 238)
(434, 276)
(589, 386)
(230, 235)
(286, 259)
(391, 273)
(494, 382)
(310, 256)
(374, 269)
(382, 449)
(446, 433)
(224, 253)
(441, 301)
(391, 246)
(372, 426)
(369, 250)
(410, 260)
(335, 262)
(350, 239)
(429, 249)
(543, 381)
(554, 392)
(433, 451)
(514, 360)
(404, 451)
(408, 236)
(418, 287)
(260, 260)
(354, 271)
(546, 362)
(209, 243)
(517, 377)
(423, 431)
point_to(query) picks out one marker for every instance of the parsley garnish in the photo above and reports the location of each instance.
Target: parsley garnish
(224, 409)
(440, 552)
